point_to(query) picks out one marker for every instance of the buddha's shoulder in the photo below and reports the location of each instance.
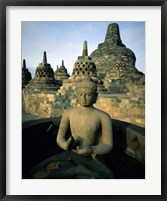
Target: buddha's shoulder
(102, 113)
(70, 111)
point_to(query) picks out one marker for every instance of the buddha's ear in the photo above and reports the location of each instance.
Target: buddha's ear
(95, 97)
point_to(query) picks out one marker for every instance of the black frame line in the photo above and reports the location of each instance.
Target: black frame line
(3, 5)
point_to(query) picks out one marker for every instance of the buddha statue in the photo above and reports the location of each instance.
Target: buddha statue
(90, 127)
(90, 138)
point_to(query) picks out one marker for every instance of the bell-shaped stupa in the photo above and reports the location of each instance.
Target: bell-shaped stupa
(44, 69)
(115, 64)
(112, 53)
(61, 73)
(44, 78)
(26, 75)
(84, 65)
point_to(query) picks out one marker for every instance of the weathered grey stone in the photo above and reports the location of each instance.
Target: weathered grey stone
(26, 75)
(84, 65)
(115, 65)
(119, 79)
(44, 78)
(91, 135)
(61, 73)
(112, 53)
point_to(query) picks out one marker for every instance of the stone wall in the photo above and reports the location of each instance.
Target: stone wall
(118, 106)
(123, 107)
(39, 104)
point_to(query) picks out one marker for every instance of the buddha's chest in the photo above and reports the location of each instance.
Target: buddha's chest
(85, 127)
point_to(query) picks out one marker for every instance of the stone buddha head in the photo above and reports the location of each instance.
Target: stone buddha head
(87, 92)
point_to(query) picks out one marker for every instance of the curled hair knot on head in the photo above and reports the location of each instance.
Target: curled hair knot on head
(87, 83)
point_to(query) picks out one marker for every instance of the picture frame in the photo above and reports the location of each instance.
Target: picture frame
(3, 100)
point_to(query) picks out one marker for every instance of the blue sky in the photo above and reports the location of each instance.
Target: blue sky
(64, 41)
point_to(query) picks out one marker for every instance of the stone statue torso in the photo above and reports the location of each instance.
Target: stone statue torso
(85, 125)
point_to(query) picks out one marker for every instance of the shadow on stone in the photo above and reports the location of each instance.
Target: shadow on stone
(126, 161)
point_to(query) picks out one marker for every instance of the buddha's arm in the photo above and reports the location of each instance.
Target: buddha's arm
(61, 136)
(107, 139)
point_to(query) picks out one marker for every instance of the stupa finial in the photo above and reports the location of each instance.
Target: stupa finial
(85, 49)
(113, 35)
(62, 63)
(24, 63)
(44, 58)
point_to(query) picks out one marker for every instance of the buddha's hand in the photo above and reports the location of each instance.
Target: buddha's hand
(84, 150)
(71, 144)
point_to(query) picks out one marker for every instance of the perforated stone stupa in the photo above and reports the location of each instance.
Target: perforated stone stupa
(26, 75)
(44, 77)
(61, 73)
(112, 52)
(115, 65)
(84, 65)
(121, 87)
(66, 95)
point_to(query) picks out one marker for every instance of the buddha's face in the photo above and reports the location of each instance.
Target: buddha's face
(86, 97)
